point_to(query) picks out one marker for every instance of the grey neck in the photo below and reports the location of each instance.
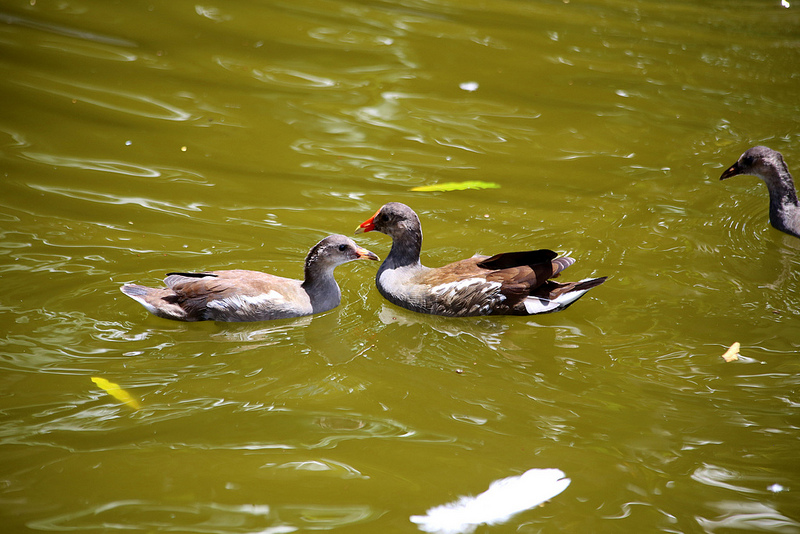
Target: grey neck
(405, 249)
(784, 209)
(322, 289)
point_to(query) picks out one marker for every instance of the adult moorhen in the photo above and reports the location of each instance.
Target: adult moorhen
(240, 295)
(513, 283)
(768, 164)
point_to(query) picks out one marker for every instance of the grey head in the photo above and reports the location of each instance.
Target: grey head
(393, 219)
(768, 164)
(322, 259)
(399, 222)
(333, 251)
(763, 162)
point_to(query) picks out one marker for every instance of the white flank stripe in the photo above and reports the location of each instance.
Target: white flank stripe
(498, 504)
(455, 287)
(271, 296)
(247, 303)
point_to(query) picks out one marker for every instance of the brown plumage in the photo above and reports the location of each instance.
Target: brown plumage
(239, 295)
(512, 283)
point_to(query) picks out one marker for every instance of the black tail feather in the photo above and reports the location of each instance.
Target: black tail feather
(589, 284)
(507, 260)
(194, 275)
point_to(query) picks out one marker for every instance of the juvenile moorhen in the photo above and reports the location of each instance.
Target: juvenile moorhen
(768, 164)
(240, 295)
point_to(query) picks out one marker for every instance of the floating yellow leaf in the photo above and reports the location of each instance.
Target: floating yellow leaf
(732, 354)
(457, 186)
(115, 391)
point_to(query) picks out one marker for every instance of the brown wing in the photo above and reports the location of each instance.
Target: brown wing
(219, 282)
(200, 293)
(527, 269)
(500, 281)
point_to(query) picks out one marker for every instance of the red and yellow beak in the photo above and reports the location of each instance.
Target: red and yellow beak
(368, 225)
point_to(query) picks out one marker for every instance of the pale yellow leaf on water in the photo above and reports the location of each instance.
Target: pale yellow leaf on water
(732, 354)
(117, 392)
(457, 186)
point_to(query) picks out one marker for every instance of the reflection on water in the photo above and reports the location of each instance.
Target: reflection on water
(114, 167)
(485, 330)
(148, 138)
(731, 513)
(747, 516)
(119, 101)
(64, 30)
(209, 517)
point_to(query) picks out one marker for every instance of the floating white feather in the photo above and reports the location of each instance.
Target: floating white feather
(503, 499)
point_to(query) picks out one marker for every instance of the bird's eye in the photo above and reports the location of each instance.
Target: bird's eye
(342, 247)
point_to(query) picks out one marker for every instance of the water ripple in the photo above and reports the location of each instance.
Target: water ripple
(601, 122)
(140, 105)
(171, 407)
(747, 517)
(209, 517)
(287, 78)
(106, 198)
(111, 166)
(67, 31)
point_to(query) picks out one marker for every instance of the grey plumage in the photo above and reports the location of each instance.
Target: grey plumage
(239, 295)
(768, 164)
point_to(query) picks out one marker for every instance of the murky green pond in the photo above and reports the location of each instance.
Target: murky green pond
(139, 138)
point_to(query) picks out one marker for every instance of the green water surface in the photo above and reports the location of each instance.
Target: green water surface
(139, 138)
